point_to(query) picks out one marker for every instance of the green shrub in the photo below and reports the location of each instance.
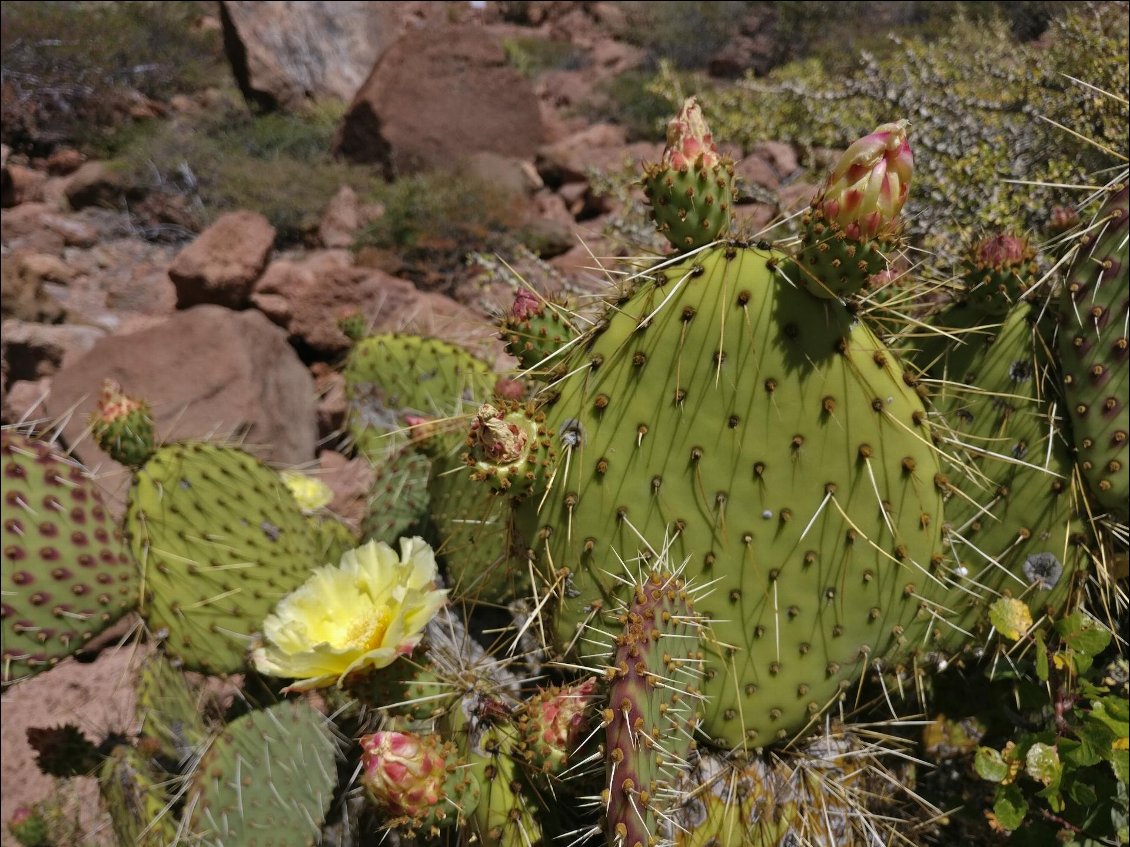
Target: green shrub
(533, 56)
(433, 220)
(685, 33)
(275, 164)
(633, 100)
(72, 69)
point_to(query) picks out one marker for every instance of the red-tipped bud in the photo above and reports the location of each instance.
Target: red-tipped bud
(526, 305)
(554, 723)
(867, 188)
(689, 139)
(122, 426)
(1001, 252)
(495, 439)
(403, 773)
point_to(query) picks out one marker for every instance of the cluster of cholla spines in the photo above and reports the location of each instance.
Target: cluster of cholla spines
(838, 508)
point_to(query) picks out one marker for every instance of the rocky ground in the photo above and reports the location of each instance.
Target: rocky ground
(229, 336)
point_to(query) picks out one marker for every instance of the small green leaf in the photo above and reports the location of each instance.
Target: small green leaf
(1010, 807)
(1083, 634)
(1120, 761)
(990, 765)
(1011, 617)
(1083, 793)
(1042, 763)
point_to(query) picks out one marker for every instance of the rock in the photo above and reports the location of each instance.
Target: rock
(753, 170)
(75, 233)
(33, 350)
(43, 267)
(288, 54)
(64, 161)
(513, 177)
(23, 400)
(94, 184)
(569, 159)
(439, 95)
(780, 155)
(24, 297)
(344, 217)
(22, 185)
(797, 195)
(757, 46)
(307, 295)
(208, 373)
(224, 261)
(24, 228)
(330, 387)
(350, 480)
(751, 218)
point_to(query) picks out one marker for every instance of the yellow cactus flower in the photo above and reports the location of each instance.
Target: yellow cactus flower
(359, 615)
(311, 494)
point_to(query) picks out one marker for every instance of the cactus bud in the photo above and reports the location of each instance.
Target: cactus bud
(352, 322)
(868, 187)
(997, 272)
(416, 778)
(122, 426)
(28, 827)
(506, 446)
(691, 190)
(553, 724)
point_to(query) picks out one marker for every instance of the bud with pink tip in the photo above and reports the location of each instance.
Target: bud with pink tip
(554, 723)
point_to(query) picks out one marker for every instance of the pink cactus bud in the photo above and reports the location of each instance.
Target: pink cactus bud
(1003, 251)
(403, 773)
(526, 305)
(114, 404)
(689, 139)
(561, 718)
(867, 188)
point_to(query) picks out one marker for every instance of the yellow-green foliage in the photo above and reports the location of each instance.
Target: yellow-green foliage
(70, 68)
(533, 56)
(433, 220)
(975, 98)
(276, 164)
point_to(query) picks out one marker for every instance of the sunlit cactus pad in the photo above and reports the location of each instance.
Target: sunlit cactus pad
(266, 781)
(220, 540)
(66, 573)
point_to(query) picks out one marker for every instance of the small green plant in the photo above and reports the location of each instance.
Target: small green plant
(71, 69)
(1062, 778)
(535, 56)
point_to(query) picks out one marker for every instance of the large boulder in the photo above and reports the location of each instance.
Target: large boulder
(287, 54)
(224, 261)
(439, 95)
(207, 372)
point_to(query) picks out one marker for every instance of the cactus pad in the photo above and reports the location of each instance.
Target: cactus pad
(219, 540)
(66, 573)
(268, 779)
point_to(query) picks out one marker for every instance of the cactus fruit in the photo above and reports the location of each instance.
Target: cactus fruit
(268, 777)
(691, 190)
(219, 540)
(652, 710)
(509, 447)
(854, 219)
(999, 270)
(418, 781)
(123, 426)
(66, 573)
(536, 330)
(776, 441)
(28, 826)
(1093, 354)
(553, 723)
(137, 798)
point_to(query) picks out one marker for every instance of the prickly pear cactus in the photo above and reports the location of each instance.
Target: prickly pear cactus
(137, 797)
(398, 498)
(268, 778)
(390, 378)
(691, 191)
(536, 330)
(170, 713)
(774, 443)
(999, 270)
(1093, 351)
(1010, 508)
(219, 540)
(66, 572)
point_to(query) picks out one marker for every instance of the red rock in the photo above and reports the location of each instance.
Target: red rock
(438, 95)
(33, 350)
(569, 159)
(754, 170)
(350, 480)
(64, 160)
(94, 184)
(289, 54)
(345, 215)
(780, 155)
(23, 185)
(43, 267)
(224, 261)
(24, 400)
(207, 372)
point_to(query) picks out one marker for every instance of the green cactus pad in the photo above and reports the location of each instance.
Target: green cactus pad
(398, 498)
(219, 540)
(1093, 352)
(389, 377)
(1010, 509)
(169, 711)
(66, 573)
(775, 443)
(536, 329)
(267, 779)
(137, 797)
